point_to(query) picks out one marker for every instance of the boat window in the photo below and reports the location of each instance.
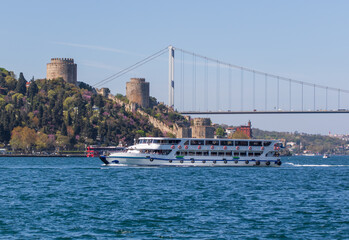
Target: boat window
(236, 154)
(227, 143)
(197, 142)
(213, 153)
(178, 153)
(191, 153)
(160, 152)
(205, 153)
(228, 153)
(173, 141)
(166, 152)
(198, 153)
(163, 142)
(241, 143)
(266, 144)
(243, 154)
(212, 142)
(250, 154)
(256, 143)
(184, 153)
(220, 153)
(257, 154)
(156, 141)
(149, 140)
(186, 142)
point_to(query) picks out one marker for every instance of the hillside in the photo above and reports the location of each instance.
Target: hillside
(306, 142)
(44, 114)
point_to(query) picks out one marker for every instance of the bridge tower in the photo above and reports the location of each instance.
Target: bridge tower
(171, 76)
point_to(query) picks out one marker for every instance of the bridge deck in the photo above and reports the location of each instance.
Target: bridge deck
(260, 112)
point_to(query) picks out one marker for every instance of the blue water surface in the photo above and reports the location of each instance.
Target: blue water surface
(78, 198)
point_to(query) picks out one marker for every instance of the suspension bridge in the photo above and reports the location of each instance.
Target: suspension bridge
(210, 86)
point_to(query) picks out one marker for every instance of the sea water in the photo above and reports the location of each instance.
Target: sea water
(78, 198)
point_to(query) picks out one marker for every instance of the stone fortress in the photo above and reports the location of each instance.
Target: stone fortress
(64, 68)
(137, 91)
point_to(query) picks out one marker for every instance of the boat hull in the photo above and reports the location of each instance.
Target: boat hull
(155, 161)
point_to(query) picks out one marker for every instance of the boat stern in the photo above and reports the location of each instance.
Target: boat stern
(104, 159)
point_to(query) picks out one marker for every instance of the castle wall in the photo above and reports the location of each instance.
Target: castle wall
(137, 91)
(155, 122)
(62, 67)
(103, 92)
(184, 132)
(201, 122)
(202, 128)
(202, 132)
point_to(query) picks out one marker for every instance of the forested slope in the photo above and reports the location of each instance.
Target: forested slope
(46, 114)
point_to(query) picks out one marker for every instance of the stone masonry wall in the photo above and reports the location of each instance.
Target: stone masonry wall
(62, 67)
(155, 122)
(137, 91)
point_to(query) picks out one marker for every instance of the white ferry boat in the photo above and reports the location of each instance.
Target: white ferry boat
(160, 151)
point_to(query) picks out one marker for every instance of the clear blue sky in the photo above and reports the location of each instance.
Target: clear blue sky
(303, 40)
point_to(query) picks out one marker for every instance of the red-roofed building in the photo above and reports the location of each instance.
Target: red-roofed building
(246, 129)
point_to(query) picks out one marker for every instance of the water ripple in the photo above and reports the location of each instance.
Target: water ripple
(79, 199)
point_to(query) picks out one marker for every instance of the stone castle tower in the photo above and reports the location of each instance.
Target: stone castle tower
(202, 128)
(62, 67)
(137, 91)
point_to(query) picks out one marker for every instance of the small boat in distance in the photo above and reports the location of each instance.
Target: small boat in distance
(161, 151)
(326, 155)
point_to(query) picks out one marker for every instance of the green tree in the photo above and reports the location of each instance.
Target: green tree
(41, 141)
(11, 83)
(239, 135)
(23, 138)
(64, 130)
(21, 84)
(140, 133)
(32, 90)
(62, 141)
(220, 132)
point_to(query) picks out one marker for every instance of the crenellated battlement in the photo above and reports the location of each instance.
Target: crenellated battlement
(62, 60)
(62, 67)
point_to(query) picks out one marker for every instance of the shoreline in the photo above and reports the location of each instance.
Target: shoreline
(39, 155)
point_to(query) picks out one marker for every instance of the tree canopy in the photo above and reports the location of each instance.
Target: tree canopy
(65, 115)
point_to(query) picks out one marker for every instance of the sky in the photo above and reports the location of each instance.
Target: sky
(302, 40)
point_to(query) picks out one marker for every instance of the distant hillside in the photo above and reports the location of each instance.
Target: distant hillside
(63, 115)
(311, 142)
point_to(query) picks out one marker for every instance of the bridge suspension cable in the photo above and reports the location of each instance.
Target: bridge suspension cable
(280, 92)
(130, 68)
(261, 72)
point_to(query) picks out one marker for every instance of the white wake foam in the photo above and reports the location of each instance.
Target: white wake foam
(314, 165)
